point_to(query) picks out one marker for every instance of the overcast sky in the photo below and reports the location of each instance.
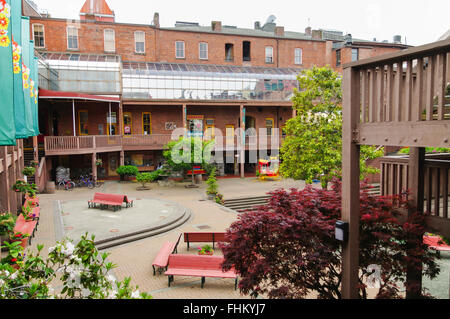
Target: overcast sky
(420, 22)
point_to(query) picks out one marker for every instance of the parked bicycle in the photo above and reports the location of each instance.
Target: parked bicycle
(66, 184)
(85, 181)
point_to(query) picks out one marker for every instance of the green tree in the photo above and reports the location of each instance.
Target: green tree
(187, 152)
(145, 178)
(312, 148)
(213, 187)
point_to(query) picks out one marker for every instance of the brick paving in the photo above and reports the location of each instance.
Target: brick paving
(134, 259)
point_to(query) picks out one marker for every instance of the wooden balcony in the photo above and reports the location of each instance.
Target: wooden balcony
(73, 145)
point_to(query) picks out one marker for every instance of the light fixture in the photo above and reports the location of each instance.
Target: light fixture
(341, 231)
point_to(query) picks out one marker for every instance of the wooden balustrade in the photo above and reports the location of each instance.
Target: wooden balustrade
(42, 175)
(394, 180)
(403, 97)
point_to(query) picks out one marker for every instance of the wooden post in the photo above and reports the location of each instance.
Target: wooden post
(4, 180)
(120, 129)
(416, 201)
(350, 182)
(242, 142)
(94, 166)
(36, 158)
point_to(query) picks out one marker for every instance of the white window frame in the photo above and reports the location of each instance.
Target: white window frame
(176, 50)
(76, 31)
(205, 51)
(43, 34)
(269, 54)
(136, 33)
(113, 40)
(298, 58)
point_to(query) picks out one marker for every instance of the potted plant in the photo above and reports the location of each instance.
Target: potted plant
(205, 250)
(15, 253)
(126, 171)
(34, 164)
(6, 226)
(212, 188)
(98, 162)
(29, 171)
(27, 213)
(219, 199)
(20, 186)
(19, 237)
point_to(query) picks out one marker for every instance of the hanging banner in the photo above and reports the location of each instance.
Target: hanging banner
(26, 74)
(33, 85)
(7, 127)
(35, 96)
(19, 104)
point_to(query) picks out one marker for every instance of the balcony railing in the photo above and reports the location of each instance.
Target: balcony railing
(401, 97)
(394, 180)
(72, 145)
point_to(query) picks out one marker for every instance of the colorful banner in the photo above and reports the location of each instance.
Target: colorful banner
(22, 130)
(26, 73)
(7, 126)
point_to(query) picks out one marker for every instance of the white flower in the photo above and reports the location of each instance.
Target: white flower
(1, 282)
(135, 294)
(111, 278)
(51, 249)
(13, 276)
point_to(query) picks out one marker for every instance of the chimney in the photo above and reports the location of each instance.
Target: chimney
(257, 25)
(156, 20)
(308, 31)
(279, 31)
(216, 26)
(317, 34)
(397, 39)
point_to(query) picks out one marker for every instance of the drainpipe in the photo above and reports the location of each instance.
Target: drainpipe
(109, 119)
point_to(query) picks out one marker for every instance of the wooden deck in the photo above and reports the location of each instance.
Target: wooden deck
(73, 145)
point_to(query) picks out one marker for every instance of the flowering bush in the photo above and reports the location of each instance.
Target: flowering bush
(15, 253)
(29, 171)
(23, 187)
(287, 248)
(80, 270)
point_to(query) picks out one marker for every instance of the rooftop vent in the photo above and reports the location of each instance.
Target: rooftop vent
(348, 39)
(397, 39)
(271, 19)
(257, 25)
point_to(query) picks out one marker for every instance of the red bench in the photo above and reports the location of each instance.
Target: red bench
(162, 259)
(198, 266)
(204, 238)
(433, 243)
(114, 200)
(25, 227)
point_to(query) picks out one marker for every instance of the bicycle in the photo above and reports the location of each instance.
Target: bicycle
(67, 184)
(85, 181)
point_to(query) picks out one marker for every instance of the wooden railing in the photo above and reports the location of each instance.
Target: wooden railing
(41, 175)
(394, 180)
(66, 145)
(402, 97)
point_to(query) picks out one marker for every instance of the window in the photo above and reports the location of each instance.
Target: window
(269, 126)
(139, 41)
(246, 51)
(72, 38)
(146, 123)
(127, 123)
(83, 122)
(229, 52)
(298, 56)
(179, 49)
(203, 51)
(209, 131)
(269, 54)
(38, 32)
(338, 57)
(355, 55)
(110, 40)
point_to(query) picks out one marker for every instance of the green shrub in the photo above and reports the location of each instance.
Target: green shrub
(6, 223)
(213, 187)
(29, 171)
(145, 178)
(127, 170)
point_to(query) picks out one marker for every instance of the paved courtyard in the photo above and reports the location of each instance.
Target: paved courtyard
(134, 259)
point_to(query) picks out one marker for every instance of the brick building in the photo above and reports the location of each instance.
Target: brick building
(116, 91)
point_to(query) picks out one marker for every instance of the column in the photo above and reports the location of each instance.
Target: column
(350, 183)
(416, 201)
(242, 141)
(36, 158)
(120, 128)
(4, 180)
(122, 158)
(94, 166)
(12, 179)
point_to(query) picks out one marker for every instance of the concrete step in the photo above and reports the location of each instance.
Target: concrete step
(131, 237)
(244, 203)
